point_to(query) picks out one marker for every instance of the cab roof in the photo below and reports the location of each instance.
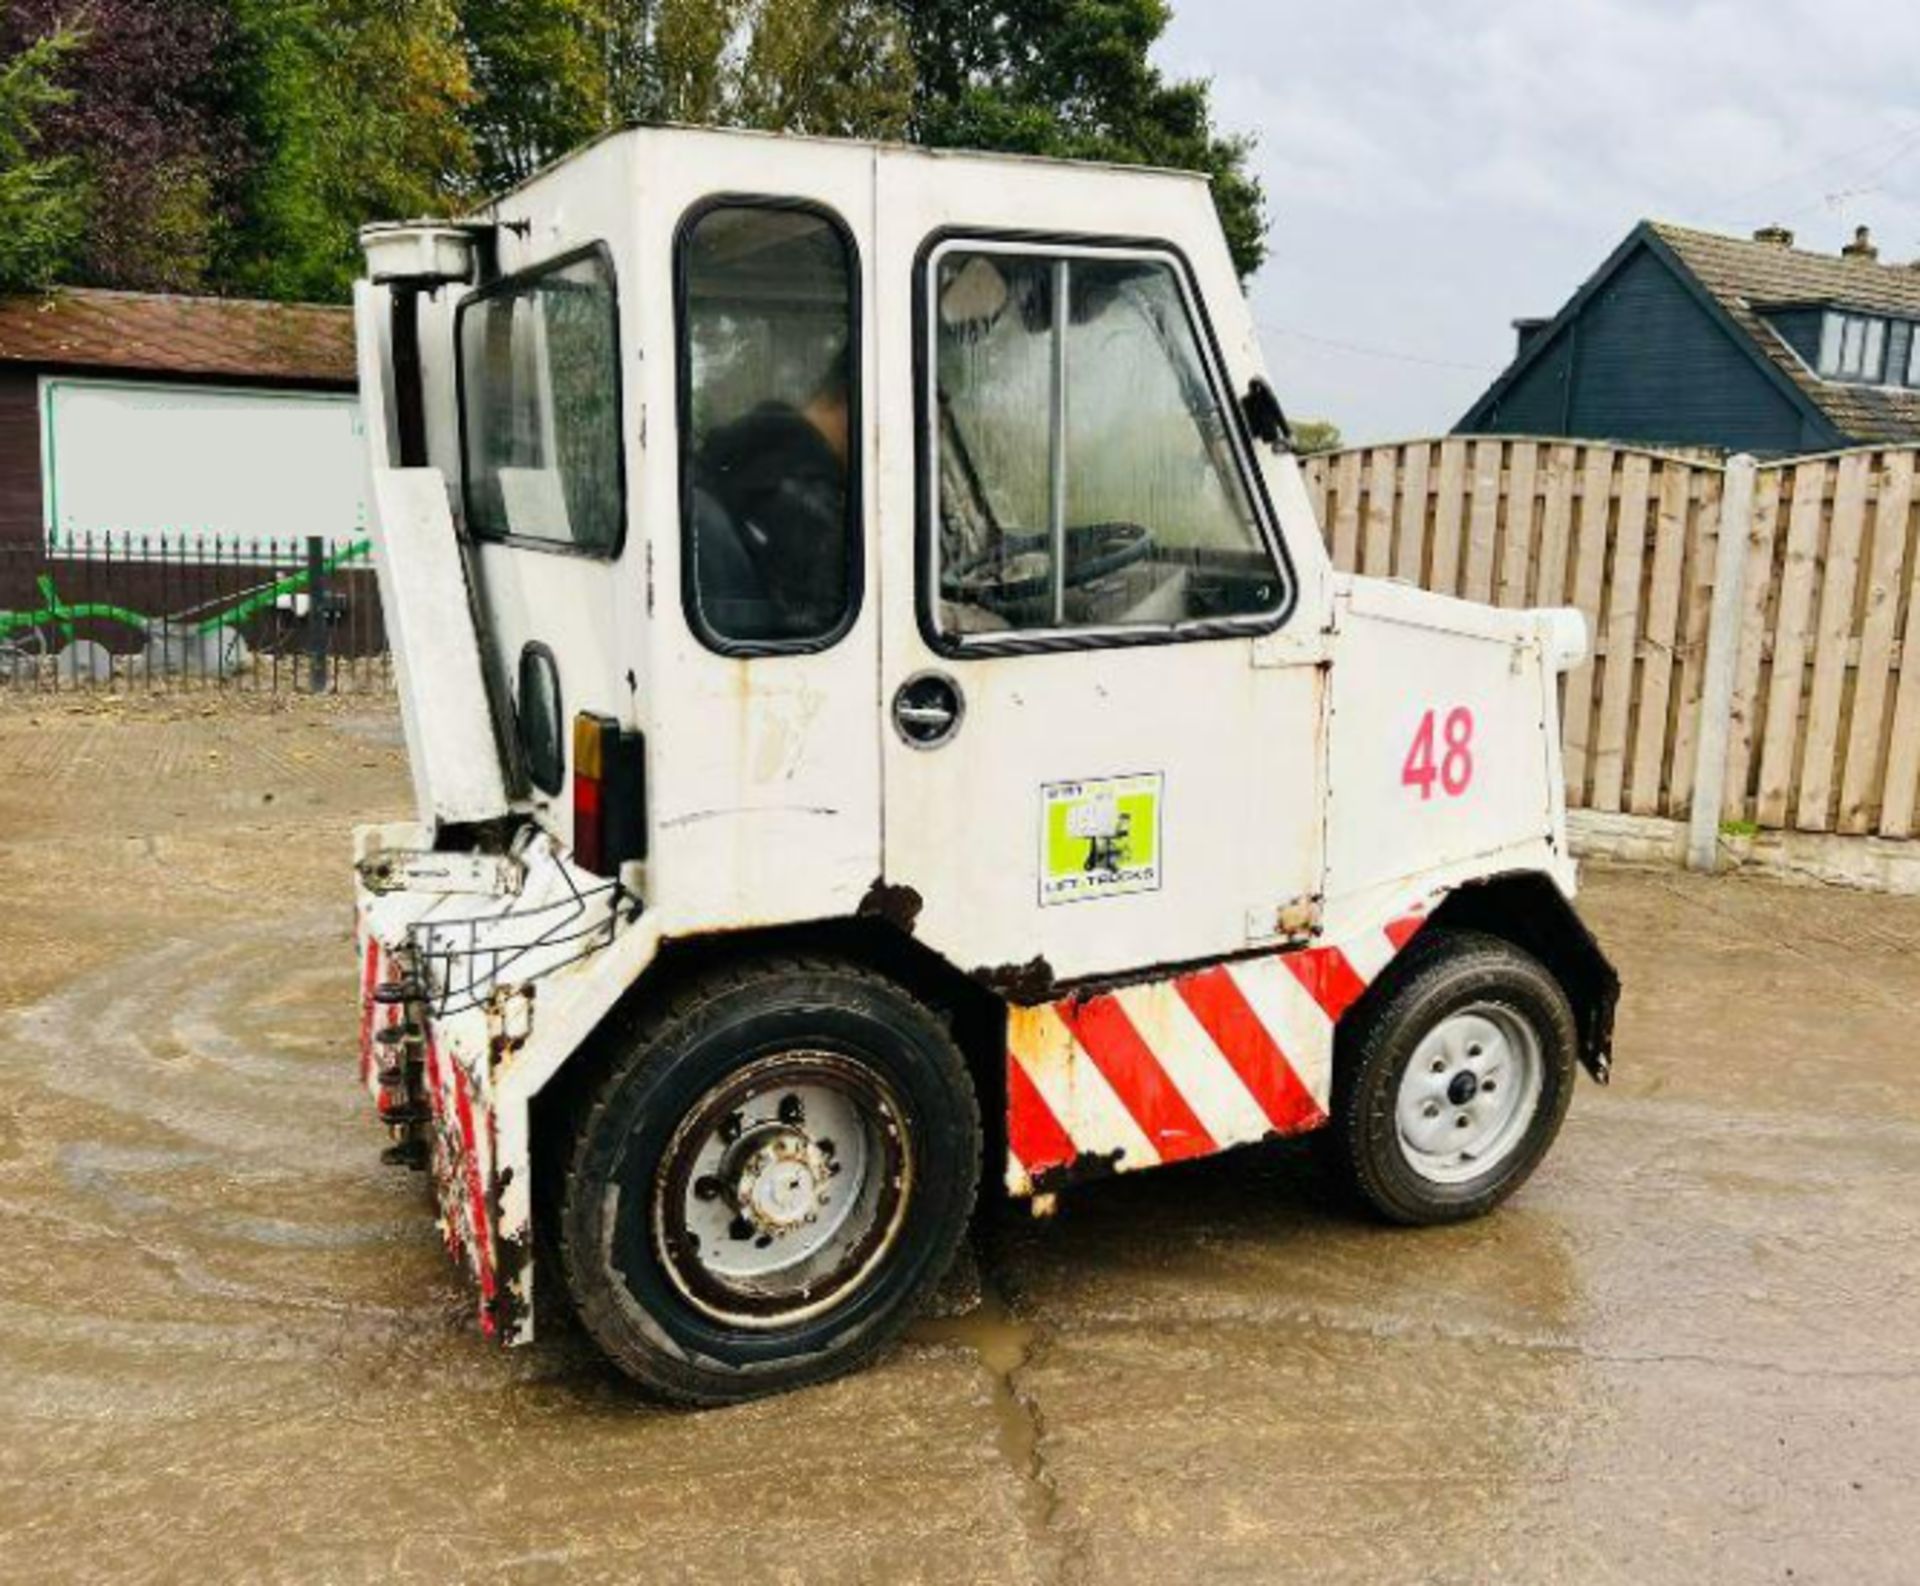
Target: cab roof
(673, 131)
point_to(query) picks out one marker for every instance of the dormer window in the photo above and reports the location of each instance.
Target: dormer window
(1853, 347)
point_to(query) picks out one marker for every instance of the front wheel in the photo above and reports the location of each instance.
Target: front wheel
(774, 1174)
(1453, 1084)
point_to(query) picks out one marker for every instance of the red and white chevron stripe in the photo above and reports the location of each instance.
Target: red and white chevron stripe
(1177, 1068)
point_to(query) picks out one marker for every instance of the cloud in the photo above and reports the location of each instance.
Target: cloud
(1436, 170)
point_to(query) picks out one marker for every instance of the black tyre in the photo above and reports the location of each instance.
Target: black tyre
(774, 1174)
(1451, 1084)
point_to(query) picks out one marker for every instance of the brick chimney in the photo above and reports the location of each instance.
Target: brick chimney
(1776, 234)
(1861, 247)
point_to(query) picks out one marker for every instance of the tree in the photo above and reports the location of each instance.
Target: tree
(1315, 435)
(542, 76)
(550, 74)
(1074, 78)
(42, 201)
(147, 127)
(354, 110)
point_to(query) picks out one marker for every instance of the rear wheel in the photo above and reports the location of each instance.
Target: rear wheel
(1452, 1085)
(774, 1174)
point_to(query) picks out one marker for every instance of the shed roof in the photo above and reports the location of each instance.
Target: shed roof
(1744, 276)
(205, 337)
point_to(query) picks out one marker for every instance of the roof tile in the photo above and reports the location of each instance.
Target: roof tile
(1744, 276)
(84, 328)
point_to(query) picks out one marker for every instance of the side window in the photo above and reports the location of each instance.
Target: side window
(769, 427)
(540, 409)
(1084, 474)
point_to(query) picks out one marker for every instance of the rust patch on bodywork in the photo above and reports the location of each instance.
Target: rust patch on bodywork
(1083, 1169)
(897, 905)
(1030, 983)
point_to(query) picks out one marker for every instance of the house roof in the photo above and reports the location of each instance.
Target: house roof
(223, 338)
(1743, 276)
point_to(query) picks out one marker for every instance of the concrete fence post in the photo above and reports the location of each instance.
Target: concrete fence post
(1722, 664)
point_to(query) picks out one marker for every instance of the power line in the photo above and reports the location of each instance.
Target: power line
(1902, 135)
(1376, 352)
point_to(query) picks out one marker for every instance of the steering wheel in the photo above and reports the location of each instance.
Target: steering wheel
(1018, 569)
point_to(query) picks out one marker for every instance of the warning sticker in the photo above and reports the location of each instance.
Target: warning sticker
(1099, 839)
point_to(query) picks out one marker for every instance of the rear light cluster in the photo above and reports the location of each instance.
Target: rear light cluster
(609, 794)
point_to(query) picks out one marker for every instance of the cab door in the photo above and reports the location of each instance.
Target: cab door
(1102, 750)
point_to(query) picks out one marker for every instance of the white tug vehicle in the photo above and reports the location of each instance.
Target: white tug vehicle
(881, 712)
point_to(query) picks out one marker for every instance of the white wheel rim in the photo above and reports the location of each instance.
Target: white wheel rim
(783, 1189)
(1469, 1094)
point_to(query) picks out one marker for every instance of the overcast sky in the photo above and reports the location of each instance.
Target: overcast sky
(1435, 170)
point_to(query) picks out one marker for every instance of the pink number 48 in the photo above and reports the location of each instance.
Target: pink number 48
(1448, 762)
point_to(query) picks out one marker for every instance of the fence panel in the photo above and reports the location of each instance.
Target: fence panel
(115, 613)
(1825, 727)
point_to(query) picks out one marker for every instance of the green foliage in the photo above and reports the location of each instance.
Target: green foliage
(1315, 435)
(542, 78)
(42, 204)
(239, 145)
(1074, 78)
(550, 74)
(353, 108)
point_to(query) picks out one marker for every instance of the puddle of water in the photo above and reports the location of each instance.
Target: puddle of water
(1004, 1344)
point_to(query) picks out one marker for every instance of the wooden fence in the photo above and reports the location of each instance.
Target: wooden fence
(1824, 733)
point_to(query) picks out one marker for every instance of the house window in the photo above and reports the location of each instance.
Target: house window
(1853, 347)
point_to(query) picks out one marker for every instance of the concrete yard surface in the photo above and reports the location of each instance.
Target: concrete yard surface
(231, 1348)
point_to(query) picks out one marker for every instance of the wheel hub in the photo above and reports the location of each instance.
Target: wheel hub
(781, 1181)
(1469, 1092)
(782, 1188)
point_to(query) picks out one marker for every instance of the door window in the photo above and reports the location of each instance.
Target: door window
(1085, 474)
(540, 408)
(769, 427)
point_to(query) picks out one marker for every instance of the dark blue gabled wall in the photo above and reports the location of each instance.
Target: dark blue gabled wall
(1645, 360)
(1800, 328)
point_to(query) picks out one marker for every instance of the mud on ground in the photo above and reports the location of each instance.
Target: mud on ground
(230, 1348)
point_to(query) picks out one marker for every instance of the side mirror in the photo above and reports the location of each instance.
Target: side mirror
(1266, 419)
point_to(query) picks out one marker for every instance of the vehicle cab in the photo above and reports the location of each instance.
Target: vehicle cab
(874, 684)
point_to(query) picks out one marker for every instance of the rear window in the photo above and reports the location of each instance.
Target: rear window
(540, 408)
